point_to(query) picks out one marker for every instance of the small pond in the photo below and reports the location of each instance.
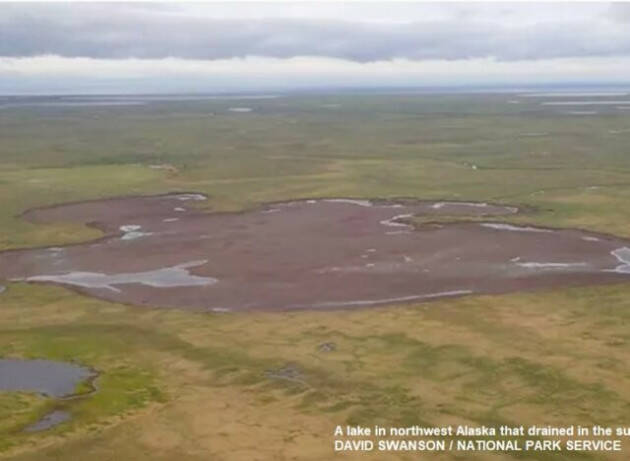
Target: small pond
(52, 379)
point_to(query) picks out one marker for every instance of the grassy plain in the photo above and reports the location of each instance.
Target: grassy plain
(197, 386)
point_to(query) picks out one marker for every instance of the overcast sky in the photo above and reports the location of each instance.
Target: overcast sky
(168, 47)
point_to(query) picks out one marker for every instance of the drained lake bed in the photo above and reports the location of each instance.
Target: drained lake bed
(308, 254)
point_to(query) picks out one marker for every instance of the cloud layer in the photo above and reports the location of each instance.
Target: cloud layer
(115, 47)
(355, 32)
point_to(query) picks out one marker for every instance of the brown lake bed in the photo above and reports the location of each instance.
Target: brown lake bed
(308, 254)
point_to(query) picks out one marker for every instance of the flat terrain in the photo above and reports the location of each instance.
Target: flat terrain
(272, 386)
(309, 254)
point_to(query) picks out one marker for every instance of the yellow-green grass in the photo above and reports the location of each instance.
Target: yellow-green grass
(195, 385)
(601, 208)
(372, 146)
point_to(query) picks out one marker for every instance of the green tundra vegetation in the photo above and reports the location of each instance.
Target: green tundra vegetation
(272, 386)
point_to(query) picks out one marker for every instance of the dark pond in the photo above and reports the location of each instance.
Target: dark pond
(53, 379)
(46, 377)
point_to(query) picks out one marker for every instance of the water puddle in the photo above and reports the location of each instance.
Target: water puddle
(52, 379)
(346, 200)
(589, 238)
(132, 232)
(439, 205)
(167, 277)
(186, 197)
(538, 265)
(478, 205)
(513, 228)
(623, 256)
(395, 221)
(48, 421)
(46, 377)
(400, 299)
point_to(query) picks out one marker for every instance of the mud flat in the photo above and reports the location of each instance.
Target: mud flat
(308, 254)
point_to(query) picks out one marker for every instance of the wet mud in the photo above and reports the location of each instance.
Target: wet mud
(308, 254)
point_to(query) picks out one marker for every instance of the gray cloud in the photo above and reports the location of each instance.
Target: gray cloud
(620, 12)
(415, 32)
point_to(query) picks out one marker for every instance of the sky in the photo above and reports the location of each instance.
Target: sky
(259, 46)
